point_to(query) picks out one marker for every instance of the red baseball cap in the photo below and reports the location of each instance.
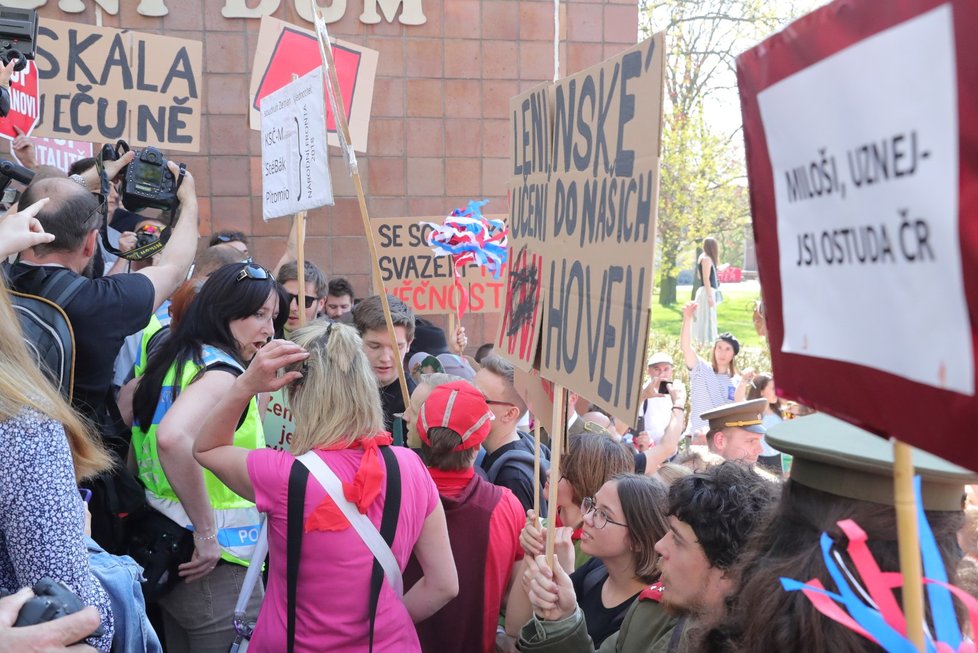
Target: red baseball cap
(458, 406)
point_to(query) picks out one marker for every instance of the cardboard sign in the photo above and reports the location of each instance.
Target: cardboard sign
(519, 329)
(583, 227)
(285, 49)
(24, 103)
(58, 152)
(295, 170)
(101, 84)
(866, 214)
(425, 282)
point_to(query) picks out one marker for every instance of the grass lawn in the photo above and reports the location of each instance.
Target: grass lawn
(734, 314)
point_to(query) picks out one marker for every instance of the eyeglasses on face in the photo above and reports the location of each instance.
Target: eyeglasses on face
(310, 300)
(253, 271)
(494, 402)
(601, 518)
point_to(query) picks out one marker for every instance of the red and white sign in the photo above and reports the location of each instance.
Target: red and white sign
(58, 152)
(862, 143)
(24, 105)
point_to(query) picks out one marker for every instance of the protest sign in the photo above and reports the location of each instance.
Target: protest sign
(284, 49)
(864, 189)
(532, 130)
(425, 282)
(58, 152)
(295, 170)
(101, 84)
(24, 103)
(583, 227)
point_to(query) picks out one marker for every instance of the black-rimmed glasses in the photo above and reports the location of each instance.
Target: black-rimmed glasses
(601, 518)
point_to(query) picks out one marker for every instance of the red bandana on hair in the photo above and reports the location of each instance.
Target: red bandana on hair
(361, 492)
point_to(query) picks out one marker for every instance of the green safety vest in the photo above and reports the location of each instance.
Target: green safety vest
(237, 519)
(157, 321)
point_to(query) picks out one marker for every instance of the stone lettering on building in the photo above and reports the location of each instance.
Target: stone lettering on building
(412, 12)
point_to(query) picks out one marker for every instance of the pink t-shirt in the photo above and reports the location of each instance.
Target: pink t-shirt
(332, 598)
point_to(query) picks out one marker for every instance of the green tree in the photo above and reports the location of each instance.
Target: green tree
(703, 179)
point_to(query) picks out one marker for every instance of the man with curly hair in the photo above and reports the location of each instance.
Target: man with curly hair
(711, 516)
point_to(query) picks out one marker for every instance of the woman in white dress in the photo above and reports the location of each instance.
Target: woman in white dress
(705, 319)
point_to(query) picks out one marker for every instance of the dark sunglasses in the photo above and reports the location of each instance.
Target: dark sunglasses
(253, 271)
(310, 300)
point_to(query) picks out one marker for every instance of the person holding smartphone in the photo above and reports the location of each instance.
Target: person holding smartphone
(657, 405)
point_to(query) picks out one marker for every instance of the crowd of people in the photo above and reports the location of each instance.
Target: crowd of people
(151, 483)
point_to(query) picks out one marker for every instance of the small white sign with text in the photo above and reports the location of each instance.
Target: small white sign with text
(295, 168)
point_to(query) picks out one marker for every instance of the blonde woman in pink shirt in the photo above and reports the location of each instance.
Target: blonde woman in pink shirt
(334, 397)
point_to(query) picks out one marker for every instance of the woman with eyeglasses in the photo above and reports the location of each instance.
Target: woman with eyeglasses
(332, 391)
(620, 522)
(237, 311)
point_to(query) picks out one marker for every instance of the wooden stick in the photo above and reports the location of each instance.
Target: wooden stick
(451, 333)
(341, 125)
(536, 468)
(300, 255)
(909, 544)
(556, 444)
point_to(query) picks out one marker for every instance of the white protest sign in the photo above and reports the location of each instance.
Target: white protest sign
(866, 185)
(295, 169)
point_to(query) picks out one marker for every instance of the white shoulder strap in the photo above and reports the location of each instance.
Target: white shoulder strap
(360, 522)
(253, 573)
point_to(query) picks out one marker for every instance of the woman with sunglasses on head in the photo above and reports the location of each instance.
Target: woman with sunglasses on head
(333, 395)
(237, 311)
(621, 522)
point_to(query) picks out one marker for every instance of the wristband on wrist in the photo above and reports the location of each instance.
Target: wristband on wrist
(204, 538)
(679, 408)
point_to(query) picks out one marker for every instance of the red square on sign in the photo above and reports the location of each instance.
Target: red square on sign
(296, 53)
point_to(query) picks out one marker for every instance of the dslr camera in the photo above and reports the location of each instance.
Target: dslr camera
(53, 600)
(147, 182)
(18, 35)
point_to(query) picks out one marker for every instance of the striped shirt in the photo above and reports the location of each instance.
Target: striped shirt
(708, 390)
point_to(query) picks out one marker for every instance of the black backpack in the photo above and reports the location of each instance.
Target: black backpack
(523, 459)
(47, 330)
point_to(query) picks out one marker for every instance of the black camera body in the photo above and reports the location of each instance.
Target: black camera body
(52, 600)
(18, 35)
(147, 181)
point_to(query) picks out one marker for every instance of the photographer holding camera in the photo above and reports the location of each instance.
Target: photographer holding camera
(105, 310)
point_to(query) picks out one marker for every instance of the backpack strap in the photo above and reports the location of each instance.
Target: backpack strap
(388, 526)
(62, 286)
(298, 479)
(593, 578)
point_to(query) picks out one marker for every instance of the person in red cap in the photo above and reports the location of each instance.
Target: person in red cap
(484, 521)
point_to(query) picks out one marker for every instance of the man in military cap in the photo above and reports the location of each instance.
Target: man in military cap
(735, 430)
(841, 484)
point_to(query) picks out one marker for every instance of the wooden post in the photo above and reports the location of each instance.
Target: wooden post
(343, 127)
(556, 445)
(909, 544)
(536, 468)
(300, 255)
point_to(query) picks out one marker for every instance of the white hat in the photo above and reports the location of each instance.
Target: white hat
(659, 357)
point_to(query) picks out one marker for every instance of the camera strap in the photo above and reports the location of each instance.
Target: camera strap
(137, 253)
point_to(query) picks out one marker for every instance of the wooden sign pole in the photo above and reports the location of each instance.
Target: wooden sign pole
(909, 543)
(536, 468)
(300, 255)
(556, 445)
(343, 127)
(300, 251)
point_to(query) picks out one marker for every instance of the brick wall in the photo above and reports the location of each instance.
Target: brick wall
(439, 129)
